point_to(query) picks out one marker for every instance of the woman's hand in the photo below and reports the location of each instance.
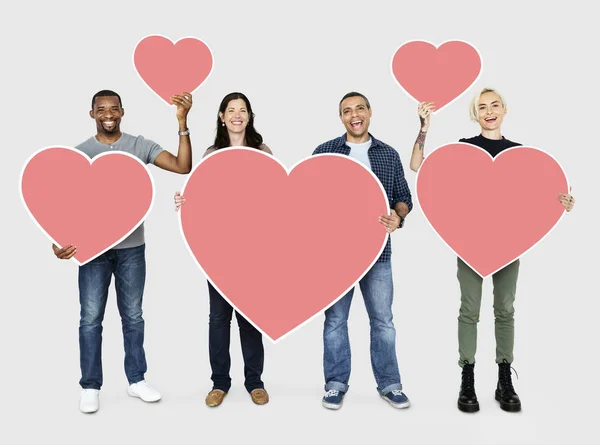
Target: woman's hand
(179, 200)
(425, 109)
(567, 200)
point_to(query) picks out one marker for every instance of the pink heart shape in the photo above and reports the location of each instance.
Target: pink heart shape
(440, 75)
(282, 247)
(170, 68)
(490, 211)
(92, 204)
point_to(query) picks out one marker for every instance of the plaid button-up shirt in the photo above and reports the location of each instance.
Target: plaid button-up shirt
(386, 165)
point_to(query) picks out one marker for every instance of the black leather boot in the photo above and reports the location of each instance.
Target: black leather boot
(505, 393)
(467, 399)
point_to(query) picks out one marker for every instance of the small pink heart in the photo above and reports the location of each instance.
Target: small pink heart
(93, 205)
(172, 68)
(440, 75)
(490, 211)
(281, 247)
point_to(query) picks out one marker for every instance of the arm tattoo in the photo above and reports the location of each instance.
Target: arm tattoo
(421, 140)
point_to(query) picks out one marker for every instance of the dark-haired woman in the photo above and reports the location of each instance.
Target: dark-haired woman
(235, 127)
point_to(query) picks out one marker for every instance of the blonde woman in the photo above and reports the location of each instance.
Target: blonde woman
(488, 109)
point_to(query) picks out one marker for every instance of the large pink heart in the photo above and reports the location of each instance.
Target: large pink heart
(93, 205)
(282, 247)
(490, 211)
(172, 68)
(440, 75)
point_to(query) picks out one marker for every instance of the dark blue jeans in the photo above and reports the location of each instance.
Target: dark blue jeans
(218, 345)
(129, 269)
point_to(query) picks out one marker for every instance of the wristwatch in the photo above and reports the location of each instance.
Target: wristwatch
(184, 133)
(401, 221)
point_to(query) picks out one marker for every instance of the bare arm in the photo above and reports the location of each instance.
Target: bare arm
(416, 159)
(425, 109)
(182, 163)
(401, 209)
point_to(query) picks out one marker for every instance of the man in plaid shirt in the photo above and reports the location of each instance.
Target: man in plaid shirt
(377, 285)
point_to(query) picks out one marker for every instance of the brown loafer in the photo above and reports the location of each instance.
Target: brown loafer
(260, 396)
(215, 397)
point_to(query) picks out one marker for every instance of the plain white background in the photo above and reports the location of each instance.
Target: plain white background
(295, 61)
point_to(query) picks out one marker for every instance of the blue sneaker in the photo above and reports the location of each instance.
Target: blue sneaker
(397, 399)
(333, 399)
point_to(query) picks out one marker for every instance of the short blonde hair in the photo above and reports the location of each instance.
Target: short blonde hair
(474, 112)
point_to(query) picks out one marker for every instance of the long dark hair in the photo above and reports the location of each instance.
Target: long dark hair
(253, 137)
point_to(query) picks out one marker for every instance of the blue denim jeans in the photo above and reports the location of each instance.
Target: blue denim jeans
(377, 288)
(129, 268)
(219, 332)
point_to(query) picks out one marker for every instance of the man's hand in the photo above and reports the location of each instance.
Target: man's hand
(64, 253)
(184, 103)
(391, 221)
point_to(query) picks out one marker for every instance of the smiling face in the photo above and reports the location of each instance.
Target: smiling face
(490, 111)
(356, 117)
(107, 113)
(235, 116)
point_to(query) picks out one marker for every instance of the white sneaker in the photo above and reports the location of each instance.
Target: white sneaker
(143, 391)
(89, 400)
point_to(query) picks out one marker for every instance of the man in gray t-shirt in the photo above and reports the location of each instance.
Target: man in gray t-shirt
(126, 261)
(144, 149)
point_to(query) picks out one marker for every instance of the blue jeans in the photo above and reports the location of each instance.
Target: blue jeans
(218, 345)
(377, 288)
(129, 268)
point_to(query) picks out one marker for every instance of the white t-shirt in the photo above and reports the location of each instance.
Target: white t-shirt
(360, 152)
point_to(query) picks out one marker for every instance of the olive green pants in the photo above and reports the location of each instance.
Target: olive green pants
(505, 286)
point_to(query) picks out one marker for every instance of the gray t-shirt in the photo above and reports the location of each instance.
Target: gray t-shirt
(144, 149)
(360, 152)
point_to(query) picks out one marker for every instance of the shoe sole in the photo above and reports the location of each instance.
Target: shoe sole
(214, 405)
(468, 408)
(508, 407)
(260, 402)
(397, 405)
(132, 394)
(333, 405)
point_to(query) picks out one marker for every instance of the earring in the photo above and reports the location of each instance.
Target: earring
(222, 123)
